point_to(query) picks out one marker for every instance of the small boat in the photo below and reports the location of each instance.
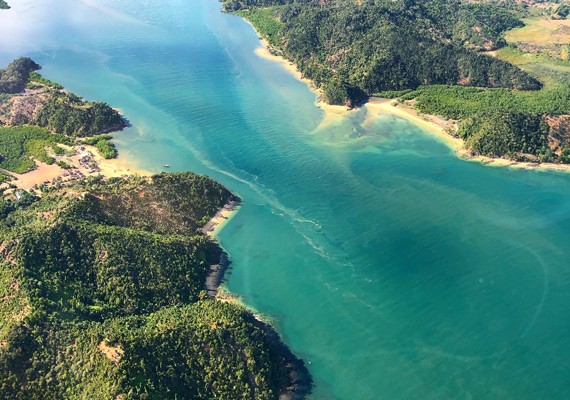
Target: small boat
(166, 166)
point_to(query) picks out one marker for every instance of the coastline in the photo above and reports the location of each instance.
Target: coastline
(432, 124)
(264, 52)
(297, 382)
(438, 126)
(211, 229)
(222, 217)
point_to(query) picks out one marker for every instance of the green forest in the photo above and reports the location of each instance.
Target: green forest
(64, 112)
(496, 133)
(68, 114)
(103, 143)
(430, 53)
(102, 296)
(388, 45)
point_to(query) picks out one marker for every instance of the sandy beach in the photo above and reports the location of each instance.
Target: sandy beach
(433, 124)
(211, 229)
(264, 52)
(221, 218)
(115, 167)
(49, 174)
(438, 127)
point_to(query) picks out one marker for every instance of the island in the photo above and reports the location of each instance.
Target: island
(452, 61)
(4, 5)
(108, 285)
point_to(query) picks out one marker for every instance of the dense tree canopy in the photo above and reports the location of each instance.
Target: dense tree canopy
(428, 52)
(51, 107)
(70, 115)
(19, 143)
(505, 133)
(16, 75)
(388, 45)
(101, 297)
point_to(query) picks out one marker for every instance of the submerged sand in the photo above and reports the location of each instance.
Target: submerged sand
(265, 53)
(439, 127)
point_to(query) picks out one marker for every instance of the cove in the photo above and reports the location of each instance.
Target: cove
(394, 269)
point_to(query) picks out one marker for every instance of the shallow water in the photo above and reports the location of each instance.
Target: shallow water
(394, 269)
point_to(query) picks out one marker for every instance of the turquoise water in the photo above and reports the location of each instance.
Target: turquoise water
(394, 269)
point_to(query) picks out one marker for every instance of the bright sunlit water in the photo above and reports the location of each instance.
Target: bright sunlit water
(394, 269)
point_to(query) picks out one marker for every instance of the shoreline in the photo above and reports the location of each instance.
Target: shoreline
(437, 127)
(52, 174)
(264, 51)
(375, 106)
(221, 218)
(297, 381)
(211, 229)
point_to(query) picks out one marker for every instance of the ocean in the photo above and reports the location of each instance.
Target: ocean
(393, 268)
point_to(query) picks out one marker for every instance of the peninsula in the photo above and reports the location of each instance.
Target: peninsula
(104, 279)
(449, 59)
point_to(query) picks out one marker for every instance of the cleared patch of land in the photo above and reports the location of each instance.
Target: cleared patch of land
(551, 71)
(541, 30)
(542, 35)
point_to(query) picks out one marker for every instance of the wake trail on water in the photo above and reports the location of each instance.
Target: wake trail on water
(545, 289)
(307, 228)
(265, 194)
(458, 357)
(417, 351)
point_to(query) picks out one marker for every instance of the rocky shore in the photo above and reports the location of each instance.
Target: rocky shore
(297, 382)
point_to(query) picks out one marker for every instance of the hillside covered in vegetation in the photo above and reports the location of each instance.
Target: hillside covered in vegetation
(37, 116)
(353, 49)
(102, 296)
(28, 98)
(437, 55)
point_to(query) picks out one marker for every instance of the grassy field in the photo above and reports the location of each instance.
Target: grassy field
(552, 72)
(542, 35)
(541, 30)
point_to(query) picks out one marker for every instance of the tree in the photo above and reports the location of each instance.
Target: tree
(15, 77)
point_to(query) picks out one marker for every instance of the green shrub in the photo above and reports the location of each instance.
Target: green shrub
(19, 143)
